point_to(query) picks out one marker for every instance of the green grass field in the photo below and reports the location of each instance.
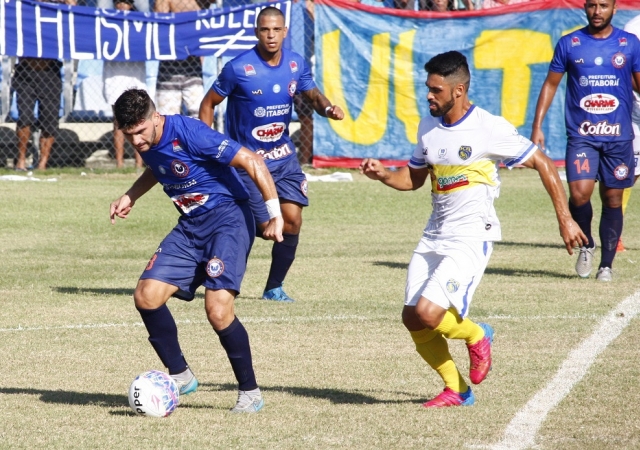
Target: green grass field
(337, 368)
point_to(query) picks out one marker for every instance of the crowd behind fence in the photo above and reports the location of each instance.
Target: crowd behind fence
(85, 133)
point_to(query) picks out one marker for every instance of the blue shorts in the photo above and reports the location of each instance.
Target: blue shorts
(611, 163)
(291, 185)
(209, 250)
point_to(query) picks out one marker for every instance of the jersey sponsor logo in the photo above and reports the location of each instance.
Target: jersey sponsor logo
(448, 183)
(293, 66)
(279, 152)
(162, 170)
(619, 60)
(602, 128)
(176, 145)
(581, 155)
(304, 187)
(179, 168)
(260, 112)
(442, 153)
(273, 110)
(598, 61)
(257, 92)
(579, 61)
(622, 41)
(599, 80)
(584, 81)
(575, 41)
(599, 103)
(181, 186)
(249, 70)
(464, 152)
(292, 88)
(221, 148)
(452, 286)
(621, 172)
(276, 88)
(270, 132)
(215, 267)
(189, 202)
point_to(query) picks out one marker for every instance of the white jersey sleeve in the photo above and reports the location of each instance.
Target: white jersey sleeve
(509, 146)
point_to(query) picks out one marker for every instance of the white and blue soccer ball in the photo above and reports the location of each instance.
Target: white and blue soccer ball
(153, 394)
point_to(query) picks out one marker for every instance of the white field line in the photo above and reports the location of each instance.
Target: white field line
(522, 430)
(20, 328)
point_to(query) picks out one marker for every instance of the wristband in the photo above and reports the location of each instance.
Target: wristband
(273, 208)
(326, 110)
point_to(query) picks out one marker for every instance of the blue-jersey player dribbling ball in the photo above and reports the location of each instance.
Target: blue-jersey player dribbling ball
(153, 394)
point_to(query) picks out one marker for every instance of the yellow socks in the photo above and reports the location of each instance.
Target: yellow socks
(433, 348)
(454, 327)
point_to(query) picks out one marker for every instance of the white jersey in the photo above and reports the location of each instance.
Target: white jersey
(633, 26)
(463, 159)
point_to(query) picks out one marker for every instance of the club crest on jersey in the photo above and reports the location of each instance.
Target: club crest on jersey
(249, 70)
(176, 145)
(179, 168)
(293, 66)
(619, 60)
(575, 41)
(465, 152)
(215, 267)
(452, 286)
(622, 41)
(442, 153)
(425, 151)
(292, 88)
(621, 172)
(304, 187)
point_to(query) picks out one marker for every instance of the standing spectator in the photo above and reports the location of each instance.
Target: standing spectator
(38, 80)
(118, 76)
(260, 85)
(486, 4)
(179, 82)
(602, 63)
(440, 5)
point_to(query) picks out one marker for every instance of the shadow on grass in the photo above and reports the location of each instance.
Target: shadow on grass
(71, 397)
(526, 273)
(101, 291)
(335, 396)
(559, 245)
(391, 265)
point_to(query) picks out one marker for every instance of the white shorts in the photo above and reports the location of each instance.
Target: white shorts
(170, 100)
(636, 146)
(116, 85)
(446, 272)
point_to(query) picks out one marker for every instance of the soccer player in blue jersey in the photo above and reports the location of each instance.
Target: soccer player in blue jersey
(210, 244)
(600, 61)
(260, 85)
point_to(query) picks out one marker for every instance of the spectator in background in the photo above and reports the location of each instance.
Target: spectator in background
(37, 80)
(486, 4)
(179, 82)
(440, 5)
(118, 76)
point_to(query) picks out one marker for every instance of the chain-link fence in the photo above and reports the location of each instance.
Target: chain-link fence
(59, 112)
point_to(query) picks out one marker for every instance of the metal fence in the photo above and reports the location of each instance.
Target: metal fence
(84, 135)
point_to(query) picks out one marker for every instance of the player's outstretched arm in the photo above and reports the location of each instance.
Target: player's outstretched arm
(547, 92)
(122, 206)
(210, 101)
(322, 105)
(403, 179)
(256, 168)
(571, 233)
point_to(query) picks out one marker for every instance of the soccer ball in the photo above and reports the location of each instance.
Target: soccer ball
(154, 394)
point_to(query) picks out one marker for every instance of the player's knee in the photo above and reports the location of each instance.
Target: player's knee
(144, 297)
(292, 225)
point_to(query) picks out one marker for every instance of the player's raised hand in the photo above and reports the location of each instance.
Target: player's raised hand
(120, 208)
(572, 235)
(273, 230)
(372, 168)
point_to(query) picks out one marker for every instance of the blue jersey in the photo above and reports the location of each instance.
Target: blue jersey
(191, 161)
(260, 101)
(599, 97)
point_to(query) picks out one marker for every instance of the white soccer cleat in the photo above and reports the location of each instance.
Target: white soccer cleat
(604, 274)
(584, 265)
(248, 402)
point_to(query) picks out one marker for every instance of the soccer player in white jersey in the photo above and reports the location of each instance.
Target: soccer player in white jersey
(633, 26)
(459, 146)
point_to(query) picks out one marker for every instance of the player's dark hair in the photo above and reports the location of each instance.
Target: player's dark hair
(269, 11)
(132, 107)
(450, 64)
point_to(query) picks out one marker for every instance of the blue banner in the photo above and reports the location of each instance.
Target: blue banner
(370, 61)
(45, 30)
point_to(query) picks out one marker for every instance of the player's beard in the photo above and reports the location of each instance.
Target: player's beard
(442, 110)
(605, 23)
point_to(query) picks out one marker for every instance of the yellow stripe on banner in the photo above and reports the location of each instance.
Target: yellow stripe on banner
(449, 179)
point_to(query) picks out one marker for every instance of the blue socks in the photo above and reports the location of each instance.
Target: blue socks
(163, 335)
(583, 216)
(282, 256)
(610, 232)
(235, 341)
